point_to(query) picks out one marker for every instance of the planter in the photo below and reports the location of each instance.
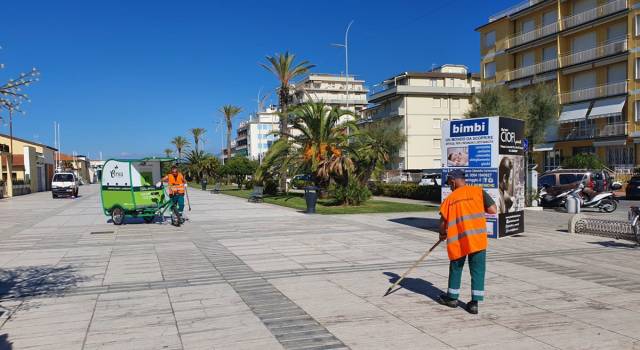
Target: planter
(311, 198)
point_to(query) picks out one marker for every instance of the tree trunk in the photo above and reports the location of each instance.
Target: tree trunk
(284, 130)
(228, 144)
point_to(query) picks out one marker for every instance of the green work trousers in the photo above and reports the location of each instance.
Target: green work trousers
(477, 265)
(178, 199)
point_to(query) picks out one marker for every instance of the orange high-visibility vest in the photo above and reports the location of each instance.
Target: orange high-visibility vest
(463, 212)
(176, 184)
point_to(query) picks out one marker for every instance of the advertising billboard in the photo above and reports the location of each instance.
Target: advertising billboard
(491, 152)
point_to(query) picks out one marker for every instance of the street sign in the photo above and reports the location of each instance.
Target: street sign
(525, 144)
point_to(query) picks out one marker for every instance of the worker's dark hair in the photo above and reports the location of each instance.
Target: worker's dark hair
(174, 167)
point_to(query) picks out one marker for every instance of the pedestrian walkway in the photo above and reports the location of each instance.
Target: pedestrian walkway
(240, 275)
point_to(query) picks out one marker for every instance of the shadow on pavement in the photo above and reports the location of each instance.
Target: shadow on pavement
(5, 344)
(37, 281)
(418, 222)
(614, 244)
(419, 286)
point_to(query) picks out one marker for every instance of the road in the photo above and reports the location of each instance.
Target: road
(240, 275)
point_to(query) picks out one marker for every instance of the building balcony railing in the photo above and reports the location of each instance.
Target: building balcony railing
(595, 92)
(608, 49)
(522, 38)
(568, 133)
(380, 113)
(527, 71)
(513, 9)
(594, 13)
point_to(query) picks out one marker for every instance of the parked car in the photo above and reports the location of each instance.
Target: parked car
(64, 184)
(299, 181)
(561, 180)
(434, 179)
(633, 188)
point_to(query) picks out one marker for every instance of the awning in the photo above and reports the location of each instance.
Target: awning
(574, 112)
(620, 142)
(543, 147)
(609, 107)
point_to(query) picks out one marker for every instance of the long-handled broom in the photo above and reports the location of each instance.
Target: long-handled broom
(424, 256)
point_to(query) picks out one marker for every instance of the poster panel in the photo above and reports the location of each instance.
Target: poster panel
(490, 151)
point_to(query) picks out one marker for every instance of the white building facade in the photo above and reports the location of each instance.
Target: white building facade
(333, 89)
(417, 103)
(261, 128)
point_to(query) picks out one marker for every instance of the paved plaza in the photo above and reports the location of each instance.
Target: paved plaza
(255, 276)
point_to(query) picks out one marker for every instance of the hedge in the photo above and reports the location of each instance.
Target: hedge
(412, 191)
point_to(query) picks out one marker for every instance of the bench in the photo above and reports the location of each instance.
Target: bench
(257, 195)
(216, 188)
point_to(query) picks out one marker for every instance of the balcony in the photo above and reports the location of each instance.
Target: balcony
(594, 13)
(569, 133)
(595, 92)
(611, 48)
(382, 112)
(522, 38)
(527, 71)
(513, 9)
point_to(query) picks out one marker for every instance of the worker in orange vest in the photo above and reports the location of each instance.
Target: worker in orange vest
(464, 227)
(177, 187)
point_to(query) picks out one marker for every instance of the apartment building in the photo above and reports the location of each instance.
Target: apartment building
(418, 103)
(32, 168)
(333, 89)
(260, 132)
(587, 50)
(241, 140)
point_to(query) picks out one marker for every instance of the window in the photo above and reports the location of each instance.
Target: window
(637, 111)
(637, 25)
(617, 73)
(437, 102)
(489, 70)
(455, 104)
(549, 18)
(548, 180)
(490, 39)
(436, 143)
(617, 31)
(566, 179)
(437, 121)
(637, 68)
(528, 26)
(549, 53)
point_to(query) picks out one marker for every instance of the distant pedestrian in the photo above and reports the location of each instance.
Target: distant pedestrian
(464, 227)
(177, 187)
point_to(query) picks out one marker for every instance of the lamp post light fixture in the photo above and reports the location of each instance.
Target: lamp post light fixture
(346, 58)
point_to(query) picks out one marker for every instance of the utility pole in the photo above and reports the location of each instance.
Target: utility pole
(10, 159)
(346, 59)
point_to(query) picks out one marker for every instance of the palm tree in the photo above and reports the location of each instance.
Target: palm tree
(376, 146)
(229, 111)
(319, 145)
(197, 133)
(168, 152)
(285, 70)
(180, 143)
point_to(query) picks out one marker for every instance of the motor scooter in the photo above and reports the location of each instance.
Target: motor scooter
(549, 201)
(604, 201)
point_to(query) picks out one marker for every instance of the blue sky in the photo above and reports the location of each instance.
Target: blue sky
(124, 77)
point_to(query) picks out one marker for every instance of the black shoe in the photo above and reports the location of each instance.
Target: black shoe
(445, 300)
(472, 307)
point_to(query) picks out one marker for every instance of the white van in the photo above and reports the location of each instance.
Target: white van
(64, 184)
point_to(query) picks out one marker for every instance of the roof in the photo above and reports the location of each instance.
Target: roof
(147, 159)
(28, 141)
(435, 75)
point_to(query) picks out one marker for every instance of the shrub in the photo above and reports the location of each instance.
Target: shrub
(350, 194)
(248, 185)
(270, 187)
(411, 191)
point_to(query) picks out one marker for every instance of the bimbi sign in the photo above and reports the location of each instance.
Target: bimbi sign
(491, 152)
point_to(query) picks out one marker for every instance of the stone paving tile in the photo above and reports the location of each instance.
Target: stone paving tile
(242, 276)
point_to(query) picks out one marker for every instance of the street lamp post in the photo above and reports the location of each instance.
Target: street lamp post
(346, 59)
